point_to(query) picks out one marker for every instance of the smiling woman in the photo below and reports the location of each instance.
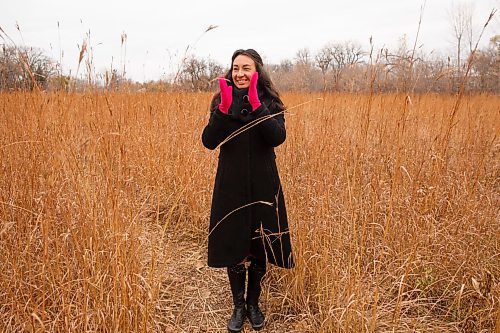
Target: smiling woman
(248, 220)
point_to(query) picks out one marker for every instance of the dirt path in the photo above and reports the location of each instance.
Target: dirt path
(196, 298)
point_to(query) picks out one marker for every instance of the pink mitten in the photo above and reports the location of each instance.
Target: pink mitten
(226, 95)
(253, 95)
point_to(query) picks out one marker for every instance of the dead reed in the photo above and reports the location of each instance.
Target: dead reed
(393, 211)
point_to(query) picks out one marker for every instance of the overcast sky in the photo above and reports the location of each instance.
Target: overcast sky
(158, 32)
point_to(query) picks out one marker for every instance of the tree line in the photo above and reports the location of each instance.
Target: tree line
(340, 66)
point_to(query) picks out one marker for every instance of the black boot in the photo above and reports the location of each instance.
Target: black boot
(237, 276)
(256, 272)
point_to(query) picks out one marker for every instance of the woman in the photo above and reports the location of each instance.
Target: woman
(248, 221)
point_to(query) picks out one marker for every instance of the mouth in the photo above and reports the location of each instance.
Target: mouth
(241, 81)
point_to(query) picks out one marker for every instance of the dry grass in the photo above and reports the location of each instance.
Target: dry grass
(393, 206)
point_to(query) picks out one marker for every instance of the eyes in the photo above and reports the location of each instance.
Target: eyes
(245, 68)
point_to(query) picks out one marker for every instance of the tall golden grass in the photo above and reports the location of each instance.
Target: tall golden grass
(393, 206)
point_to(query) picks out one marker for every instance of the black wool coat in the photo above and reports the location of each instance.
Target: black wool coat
(248, 213)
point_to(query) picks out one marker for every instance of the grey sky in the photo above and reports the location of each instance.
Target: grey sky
(158, 32)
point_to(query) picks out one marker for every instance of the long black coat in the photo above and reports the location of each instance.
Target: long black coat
(248, 214)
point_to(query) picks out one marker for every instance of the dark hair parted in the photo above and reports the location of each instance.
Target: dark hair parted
(264, 84)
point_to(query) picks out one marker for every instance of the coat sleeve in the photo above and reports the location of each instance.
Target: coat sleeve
(217, 129)
(273, 129)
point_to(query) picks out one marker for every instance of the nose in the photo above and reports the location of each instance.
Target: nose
(240, 72)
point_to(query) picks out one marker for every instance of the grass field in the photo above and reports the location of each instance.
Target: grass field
(393, 204)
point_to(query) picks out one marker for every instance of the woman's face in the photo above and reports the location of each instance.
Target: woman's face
(243, 69)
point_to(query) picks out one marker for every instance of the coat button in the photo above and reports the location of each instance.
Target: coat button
(245, 98)
(244, 112)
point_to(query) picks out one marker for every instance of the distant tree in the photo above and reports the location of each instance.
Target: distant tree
(25, 68)
(286, 66)
(303, 57)
(347, 54)
(10, 68)
(344, 55)
(402, 66)
(323, 60)
(215, 69)
(195, 69)
(461, 24)
(486, 67)
(431, 75)
(199, 74)
(304, 76)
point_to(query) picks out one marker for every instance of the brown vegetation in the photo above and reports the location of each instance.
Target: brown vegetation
(393, 203)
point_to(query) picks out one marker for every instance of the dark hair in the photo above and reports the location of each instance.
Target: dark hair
(264, 84)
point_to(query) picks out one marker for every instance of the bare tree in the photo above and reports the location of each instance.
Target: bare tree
(303, 57)
(461, 24)
(195, 70)
(24, 68)
(214, 70)
(304, 69)
(323, 59)
(487, 67)
(345, 55)
(286, 65)
(200, 73)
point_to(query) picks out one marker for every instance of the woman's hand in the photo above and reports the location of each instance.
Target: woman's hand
(226, 95)
(253, 95)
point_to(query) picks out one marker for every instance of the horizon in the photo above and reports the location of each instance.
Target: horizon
(150, 53)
